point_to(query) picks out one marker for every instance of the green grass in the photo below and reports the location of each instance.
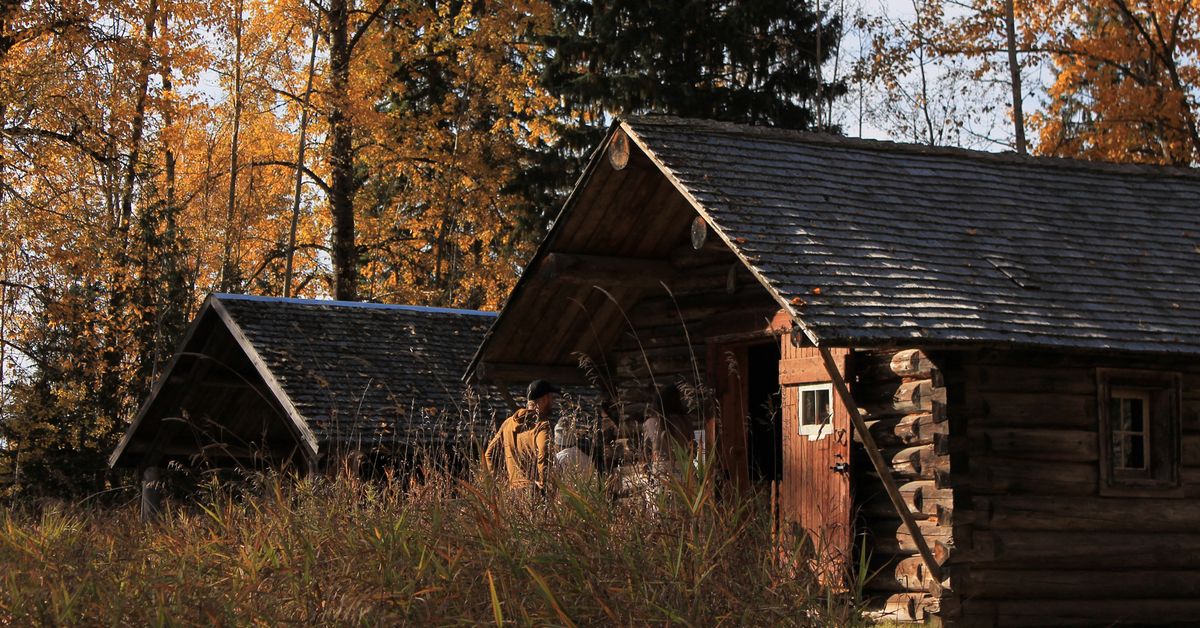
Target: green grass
(340, 551)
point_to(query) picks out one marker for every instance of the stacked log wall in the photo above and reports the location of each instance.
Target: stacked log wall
(904, 397)
(1042, 546)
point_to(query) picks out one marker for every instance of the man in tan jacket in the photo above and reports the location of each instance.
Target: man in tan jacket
(523, 441)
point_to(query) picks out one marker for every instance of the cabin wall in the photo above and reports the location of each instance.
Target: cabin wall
(662, 354)
(1037, 543)
(903, 395)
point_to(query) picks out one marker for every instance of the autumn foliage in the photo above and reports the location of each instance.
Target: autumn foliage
(152, 151)
(1113, 80)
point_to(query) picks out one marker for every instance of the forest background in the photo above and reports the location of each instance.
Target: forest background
(415, 151)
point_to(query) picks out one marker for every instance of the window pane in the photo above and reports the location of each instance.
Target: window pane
(1132, 450)
(1137, 411)
(1137, 451)
(1129, 451)
(815, 406)
(822, 415)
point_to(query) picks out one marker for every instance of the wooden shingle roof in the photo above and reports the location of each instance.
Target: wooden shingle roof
(365, 372)
(872, 242)
(340, 375)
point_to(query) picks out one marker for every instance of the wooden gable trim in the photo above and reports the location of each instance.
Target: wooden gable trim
(305, 434)
(163, 378)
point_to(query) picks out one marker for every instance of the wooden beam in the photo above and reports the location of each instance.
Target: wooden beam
(746, 325)
(225, 450)
(605, 271)
(710, 251)
(492, 372)
(881, 466)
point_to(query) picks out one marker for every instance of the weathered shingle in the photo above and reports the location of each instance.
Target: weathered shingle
(368, 373)
(874, 242)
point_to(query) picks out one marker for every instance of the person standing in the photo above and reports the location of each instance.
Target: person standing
(523, 441)
(571, 461)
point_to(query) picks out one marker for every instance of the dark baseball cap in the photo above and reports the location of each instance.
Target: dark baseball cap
(539, 388)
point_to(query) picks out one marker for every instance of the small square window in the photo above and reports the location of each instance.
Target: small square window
(816, 410)
(1139, 431)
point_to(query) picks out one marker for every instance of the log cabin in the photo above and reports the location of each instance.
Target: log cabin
(981, 370)
(260, 381)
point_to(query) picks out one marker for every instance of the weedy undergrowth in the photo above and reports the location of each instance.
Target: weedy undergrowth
(448, 550)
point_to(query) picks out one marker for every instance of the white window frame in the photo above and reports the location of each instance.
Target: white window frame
(815, 431)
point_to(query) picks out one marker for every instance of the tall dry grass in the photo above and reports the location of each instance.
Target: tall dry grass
(343, 551)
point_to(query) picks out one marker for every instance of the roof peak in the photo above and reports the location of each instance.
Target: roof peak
(224, 296)
(890, 146)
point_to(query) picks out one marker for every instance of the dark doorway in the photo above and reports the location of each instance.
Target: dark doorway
(764, 427)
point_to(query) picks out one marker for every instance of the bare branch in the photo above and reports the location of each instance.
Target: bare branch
(291, 164)
(71, 139)
(362, 29)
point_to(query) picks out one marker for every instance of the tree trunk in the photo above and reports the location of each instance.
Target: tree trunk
(228, 267)
(151, 316)
(1015, 71)
(114, 349)
(139, 121)
(300, 149)
(168, 120)
(3, 346)
(341, 157)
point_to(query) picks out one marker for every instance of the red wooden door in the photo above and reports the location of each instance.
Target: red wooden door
(814, 492)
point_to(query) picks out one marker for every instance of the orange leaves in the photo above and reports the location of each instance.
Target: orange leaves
(1124, 70)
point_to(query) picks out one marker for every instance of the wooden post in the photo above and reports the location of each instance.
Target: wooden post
(314, 467)
(151, 494)
(881, 466)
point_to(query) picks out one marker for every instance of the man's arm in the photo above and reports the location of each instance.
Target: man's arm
(542, 450)
(490, 451)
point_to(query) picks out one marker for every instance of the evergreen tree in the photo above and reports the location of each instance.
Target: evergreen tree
(60, 423)
(747, 61)
(58, 428)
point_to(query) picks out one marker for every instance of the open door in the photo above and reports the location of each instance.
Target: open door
(748, 430)
(814, 490)
(726, 430)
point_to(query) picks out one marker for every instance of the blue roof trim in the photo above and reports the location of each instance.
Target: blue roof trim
(355, 304)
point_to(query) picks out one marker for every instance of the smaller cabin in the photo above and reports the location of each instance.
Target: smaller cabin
(295, 383)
